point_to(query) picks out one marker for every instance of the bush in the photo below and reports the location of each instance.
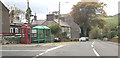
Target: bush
(116, 37)
(63, 37)
(55, 29)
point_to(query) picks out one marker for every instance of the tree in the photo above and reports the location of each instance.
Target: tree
(55, 29)
(95, 33)
(85, 14)
(28, 14)
(119, 33)
(15, 13)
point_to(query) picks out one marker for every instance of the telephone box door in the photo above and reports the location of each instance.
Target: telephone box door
(23, 35)
(28, 36)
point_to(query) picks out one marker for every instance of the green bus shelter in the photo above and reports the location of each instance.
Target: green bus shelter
(40, 34)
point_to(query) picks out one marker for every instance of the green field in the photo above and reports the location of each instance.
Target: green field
(111, 20)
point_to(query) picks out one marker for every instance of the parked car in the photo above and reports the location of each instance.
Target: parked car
(82, 39)
(57, 40)
(87, 39)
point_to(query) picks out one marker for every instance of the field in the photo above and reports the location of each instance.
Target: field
(111, 20)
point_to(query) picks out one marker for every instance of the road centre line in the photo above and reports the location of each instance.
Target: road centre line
(95, 52)
(92, 45)
(93, 42)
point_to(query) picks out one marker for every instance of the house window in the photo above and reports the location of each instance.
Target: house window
(69, 29)
(19, 30)
(11, 30)
(16, 30)
(63, 29)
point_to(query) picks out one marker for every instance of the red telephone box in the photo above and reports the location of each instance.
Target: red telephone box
(25, 34)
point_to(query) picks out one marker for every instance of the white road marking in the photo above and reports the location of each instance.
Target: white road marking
(95, 52)
(92, 45)
(54, 48)
(51, 49)
(93, 42)
(20, 50)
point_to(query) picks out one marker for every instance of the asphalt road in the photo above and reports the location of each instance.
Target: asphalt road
(85, 49)
(89, 48)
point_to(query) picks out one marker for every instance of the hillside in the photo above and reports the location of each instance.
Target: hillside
(110, 20)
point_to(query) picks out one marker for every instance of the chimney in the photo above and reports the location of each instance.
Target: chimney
(50, 17)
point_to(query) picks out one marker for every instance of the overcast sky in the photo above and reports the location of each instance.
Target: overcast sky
(43, 7)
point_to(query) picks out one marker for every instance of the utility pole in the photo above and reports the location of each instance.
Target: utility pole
(28, 14)
(59, 14)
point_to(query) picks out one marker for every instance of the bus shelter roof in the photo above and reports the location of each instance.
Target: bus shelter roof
(40, 27)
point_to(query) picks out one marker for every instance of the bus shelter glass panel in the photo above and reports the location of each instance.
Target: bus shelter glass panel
(34, 35)
(48, 37)
(41, 33)
(47, 33)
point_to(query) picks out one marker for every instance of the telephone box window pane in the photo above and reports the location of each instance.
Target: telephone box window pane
(29, 35)
(23, 33)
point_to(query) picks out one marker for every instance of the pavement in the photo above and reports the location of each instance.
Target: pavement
(40, 44)
(89, 48)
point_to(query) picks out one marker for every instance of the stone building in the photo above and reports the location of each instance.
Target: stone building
(4, 19)
(75, 29)
(66, 22)
(52, 20)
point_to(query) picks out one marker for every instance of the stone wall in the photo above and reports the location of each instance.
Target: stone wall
(11, 40)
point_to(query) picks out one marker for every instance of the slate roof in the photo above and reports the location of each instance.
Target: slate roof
(38, 22)
(48, 22)
(45, 22)
(63, 24)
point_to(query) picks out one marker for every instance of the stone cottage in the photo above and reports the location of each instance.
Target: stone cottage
(52, 20)
(66, 22)
(75, 29)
